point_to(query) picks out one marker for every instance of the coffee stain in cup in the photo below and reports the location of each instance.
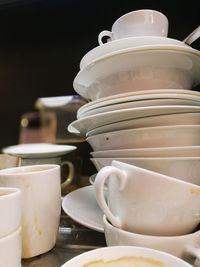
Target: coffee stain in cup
(127, 261)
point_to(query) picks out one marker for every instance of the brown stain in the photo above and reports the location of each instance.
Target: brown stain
(195, 191)
(126, 261)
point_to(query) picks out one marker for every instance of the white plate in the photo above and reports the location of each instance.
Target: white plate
(142, 103)
(125, 43)
(99, 78)
(84, 125)
(82, 207)
(36, 150)
(139, 96)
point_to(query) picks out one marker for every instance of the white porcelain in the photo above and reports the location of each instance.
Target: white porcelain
(41, 205)
(82, 207)
(136, 41)
(144, 22)
(152, 199)
(184, 151)
(146, 95)
(157, 136)
(84, 125)
(44, 153)
(9, 161)
(141, 103)
(152, 121)
(136, 69)
(193, 36)
(183, 168)
(180, 246)
(140, 95)
(38, 150)
(122, 256)
(10, 210)
(11, 249)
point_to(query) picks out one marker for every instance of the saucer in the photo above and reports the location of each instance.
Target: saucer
(107, 75)
(142, 103)
(82, 207)
(132, 42)
(86, 124)
(38, 150)
(139, 95)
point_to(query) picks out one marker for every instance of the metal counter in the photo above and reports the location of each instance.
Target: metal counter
(73, 239)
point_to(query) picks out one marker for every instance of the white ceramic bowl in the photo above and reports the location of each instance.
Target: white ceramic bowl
(183, 168)
(185, 151)
(160, 136)
(138, 69)
(149, 258)
(151, 121)
(179, 246)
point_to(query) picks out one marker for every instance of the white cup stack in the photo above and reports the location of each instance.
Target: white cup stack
(10, 227)
(143, 117)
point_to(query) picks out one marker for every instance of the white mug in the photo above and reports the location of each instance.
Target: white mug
(53, 160)
(182, 246)
(144, 201)
(41, 205)
(144, 22)
(10, 210)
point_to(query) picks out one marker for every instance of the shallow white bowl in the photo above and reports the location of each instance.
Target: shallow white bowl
(183, 168)
(138, 69)
(107, 254)
(160, 136)
(185, 151)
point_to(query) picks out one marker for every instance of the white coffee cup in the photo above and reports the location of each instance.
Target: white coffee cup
(53, 160)
(41, 205)
(147, 202)
(10, 210)
(11, 249)
(144, 22)
(181, 246)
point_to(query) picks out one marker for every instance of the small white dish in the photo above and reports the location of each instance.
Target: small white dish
(139, 95)
(37, 150)
(131, 42)
(147, 257)
(82, 207)
(137, 69)
(84, 125)
(141, 103)
(144, 95)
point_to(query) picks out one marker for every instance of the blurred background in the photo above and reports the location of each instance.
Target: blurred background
(43, 41)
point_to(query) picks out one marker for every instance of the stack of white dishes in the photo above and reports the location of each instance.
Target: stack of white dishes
(142, 111)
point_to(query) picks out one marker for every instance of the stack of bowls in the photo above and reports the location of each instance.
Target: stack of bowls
(142, 109)
(143, 112)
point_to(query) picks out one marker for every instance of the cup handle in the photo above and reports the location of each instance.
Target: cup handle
(104, 34)
(70, 176)
(99, 183)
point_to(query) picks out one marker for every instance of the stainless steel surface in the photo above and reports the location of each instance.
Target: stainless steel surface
(73, 239)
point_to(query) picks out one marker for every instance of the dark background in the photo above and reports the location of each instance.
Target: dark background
(43, 41)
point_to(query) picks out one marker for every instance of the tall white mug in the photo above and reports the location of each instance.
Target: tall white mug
(41, 205)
